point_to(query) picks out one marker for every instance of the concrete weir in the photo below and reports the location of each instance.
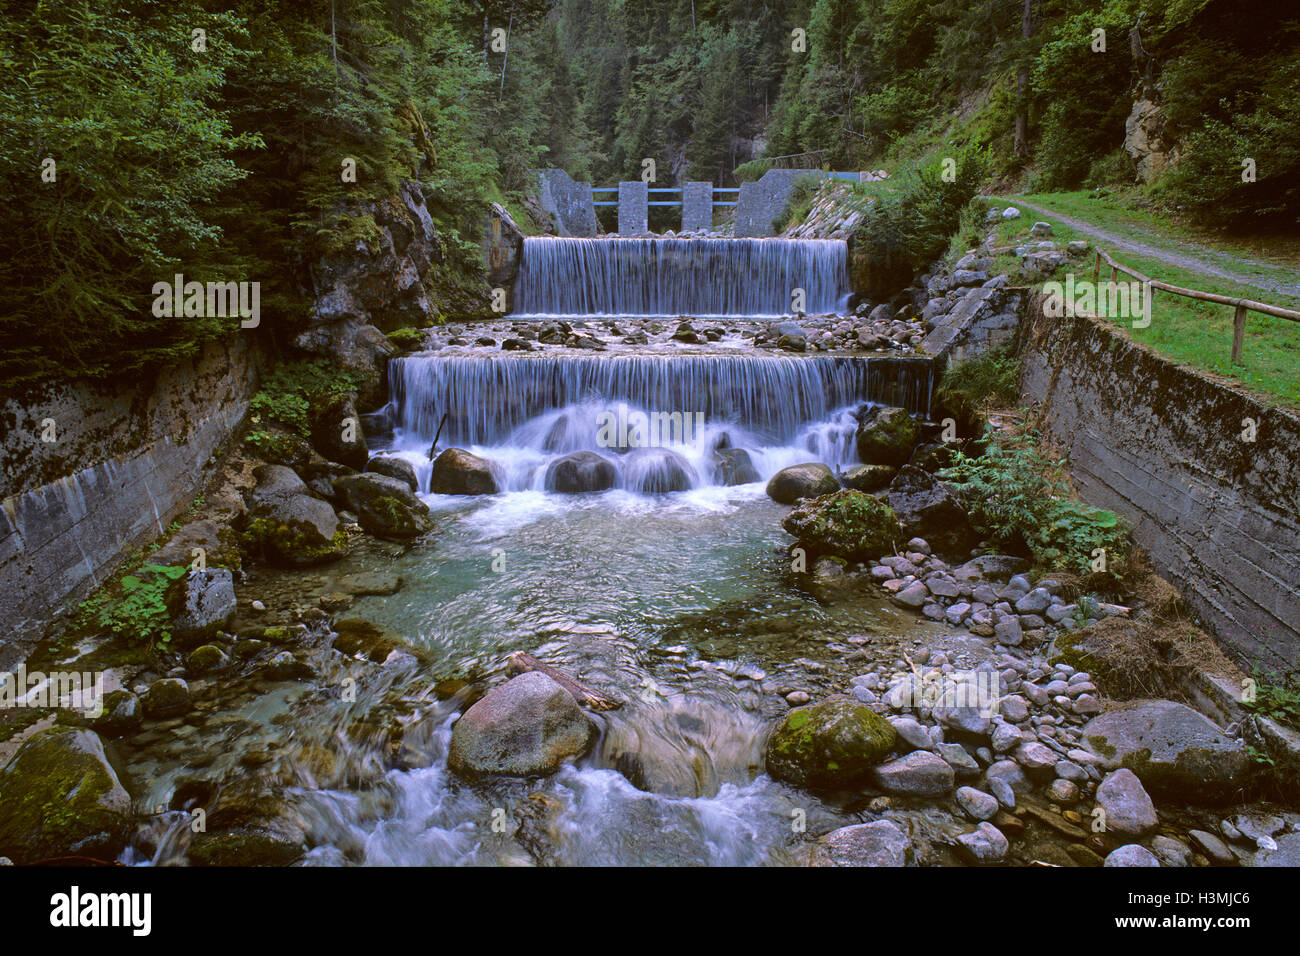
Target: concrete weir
(1209, 476)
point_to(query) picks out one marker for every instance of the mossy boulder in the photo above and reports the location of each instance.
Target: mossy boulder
(62, 797)
(385, 507)
(289, 526)
(868, 478)
(831, 744)
(809, 480)
(847, 524)
(886, 436)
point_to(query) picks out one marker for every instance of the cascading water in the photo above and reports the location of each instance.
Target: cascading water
(671, 277)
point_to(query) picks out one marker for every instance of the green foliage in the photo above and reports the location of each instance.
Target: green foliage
(1018, 496)
(1277, 696)
(136, 607)
(285, 399)
(802, 196)
(988, 380)
(406, 338)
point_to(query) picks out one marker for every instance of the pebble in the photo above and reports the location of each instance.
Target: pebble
(977, 804)
(985, 844)
(1132, 854)
(797, 698)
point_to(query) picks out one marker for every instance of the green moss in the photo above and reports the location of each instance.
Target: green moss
(1102, 746)
(293, 542)
(835, 743)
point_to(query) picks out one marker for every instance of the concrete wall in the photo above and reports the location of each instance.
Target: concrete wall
(1162, 445)
(633, 208)
(570, 203)
(126, 461)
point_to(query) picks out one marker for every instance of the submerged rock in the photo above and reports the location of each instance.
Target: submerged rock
(886, 436)
(1174, 750)
(847, 524)
(580, 472)
(385, 507)
(526, 727)
(835, 743)
(809, 480)
(458, 472)
(62, 798)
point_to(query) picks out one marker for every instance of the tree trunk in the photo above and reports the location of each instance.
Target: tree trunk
(1022, 85)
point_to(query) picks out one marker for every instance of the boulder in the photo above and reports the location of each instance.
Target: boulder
(122, 714)
(886, 436)
(204, 604)
(929, 508)
(985, 844)
(62, 797)
(733, 466)
(168, 697)
(580, 472)
(809, 480)
(287, 524)
(833, 743)
(458, 472)
(918, 774)
(879, 843)
(526, 727)
(336, 431)
(847, 524)
(1131, 854)
(1174, 750)
(657, 471)
(1127, 806)
(868, 478)
(385, 507)
(398, 468)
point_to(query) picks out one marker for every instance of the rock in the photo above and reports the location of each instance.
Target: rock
(929, 508)
(1131, 854)
(913, 596)
(385, 507)
(834, 743)
(1007, 631)
(1212, 847)
(657, 471)
(287, 524)
(1041, 229)
(985, 844)
(1014, 709)
(962, 763)
(1011, 212)
(1035, 602)
(733, 466)
(458, 472)
(204, 604)
(336, 432)
(1173, 749)
(880, 843)
(797, 698)
(122, 714)
(398, 468)
(1063, 791)
(994, 567)
(1170, 852)
(1285, 852)
(845, 523)
(1037, 759)
(369, 582)
(526, 727)
(62, 797)
(284, 666)
(1005, 738)
(919, 774)
(911, 733)
(1008, 773)
(580, 472)
(1128, 807)
(977, 804)
(868, 478)
(810, 480)
(206, 658)
(168, 697)
(886, 436)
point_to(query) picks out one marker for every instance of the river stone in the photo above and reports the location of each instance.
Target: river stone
(962, 763)
(912, 733)
(985, 844)
(1131, 854)
(1008, 772)
(1171, 852)
(915, 595)
(167, 697)
(1128, 807)
(1173, 749)
(1212, 847)
(928, 508)
(289, 525)
(336, 431)
(847, 524)
(919, 774)
(977, 804)
(122, 714)
(809, 480)
(879, 843)
(995, 567)
(398, 468)
(369, 582)
(62, 797)
(868, 478)
(833, 743)
(385, 507)
(458, 472)
(580, 472)
(526, 727)
(887, 436)
(1285, 852)
(205, 603)
(733, 466)
(1035, 602)
(657, 471)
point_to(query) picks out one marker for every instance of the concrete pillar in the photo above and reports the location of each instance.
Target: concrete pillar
(697, 206)
(633, 213)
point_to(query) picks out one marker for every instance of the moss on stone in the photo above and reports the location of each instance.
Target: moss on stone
(835, 743)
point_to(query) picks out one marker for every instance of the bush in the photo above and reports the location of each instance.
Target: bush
(978, 383)
(136, 608)
(1018, 496)
(285, 399)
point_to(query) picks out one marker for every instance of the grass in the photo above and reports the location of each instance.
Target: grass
(1193, 333)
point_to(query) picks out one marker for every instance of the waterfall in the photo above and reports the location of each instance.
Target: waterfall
(488, 398)
(671, 277)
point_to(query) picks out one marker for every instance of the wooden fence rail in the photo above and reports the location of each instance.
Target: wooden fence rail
(1242, 306)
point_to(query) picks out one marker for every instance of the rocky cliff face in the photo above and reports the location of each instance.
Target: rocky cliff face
(1143, 139)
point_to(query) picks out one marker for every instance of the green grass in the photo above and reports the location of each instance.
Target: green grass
(1193, 333)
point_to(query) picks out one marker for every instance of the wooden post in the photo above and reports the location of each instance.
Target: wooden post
(1238, 333)
(1096, 267)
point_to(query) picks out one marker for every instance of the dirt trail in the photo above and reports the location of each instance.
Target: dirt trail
(1181, 260)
